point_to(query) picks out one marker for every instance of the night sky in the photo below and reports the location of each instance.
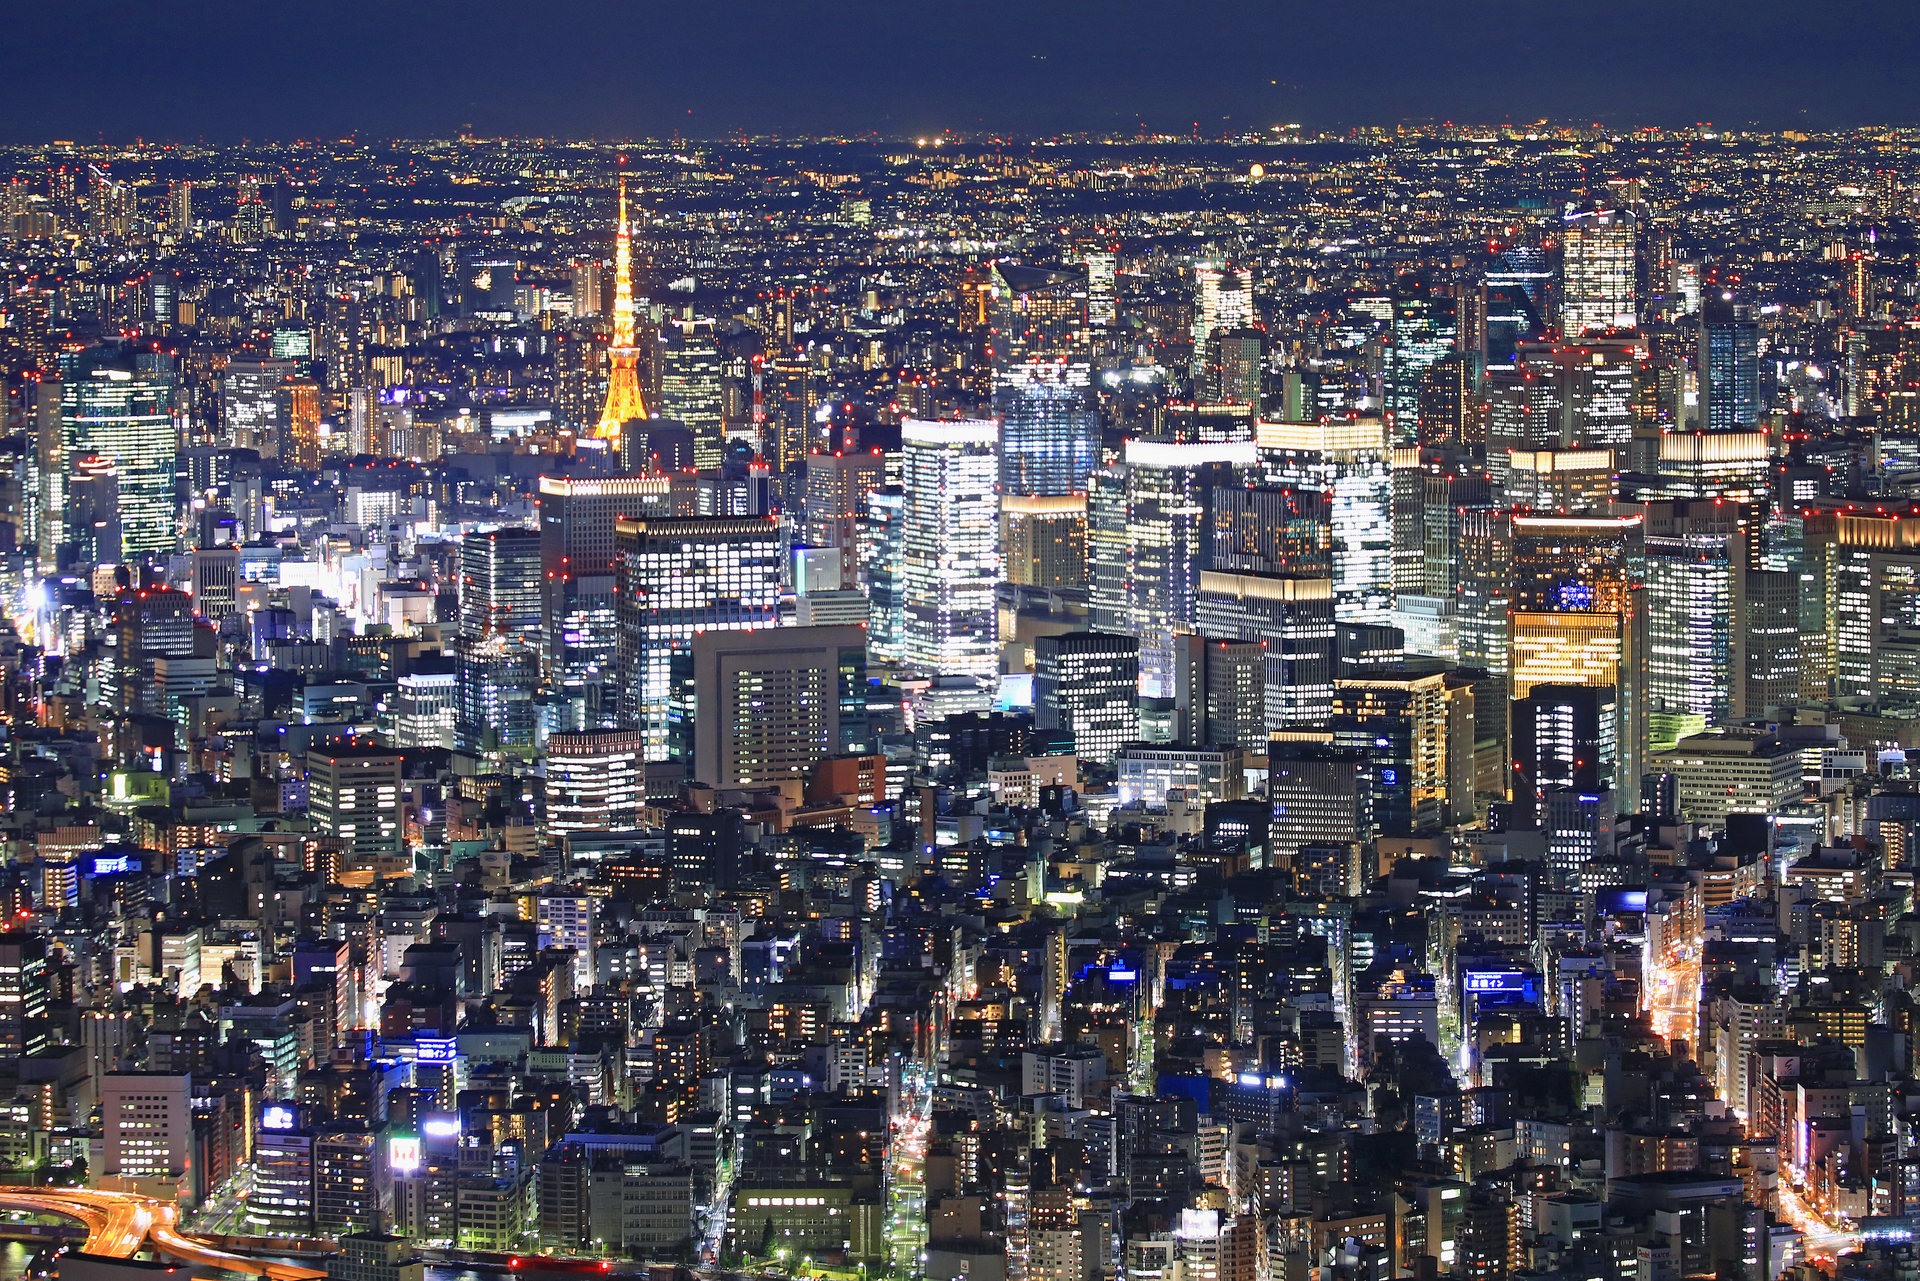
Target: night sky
(222, 70)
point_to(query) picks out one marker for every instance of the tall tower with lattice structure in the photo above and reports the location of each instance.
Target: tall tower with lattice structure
(624, 401)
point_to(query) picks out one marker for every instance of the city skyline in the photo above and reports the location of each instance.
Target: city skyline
(1329, 706)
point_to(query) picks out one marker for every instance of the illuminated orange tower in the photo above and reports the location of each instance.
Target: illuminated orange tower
(624, 401)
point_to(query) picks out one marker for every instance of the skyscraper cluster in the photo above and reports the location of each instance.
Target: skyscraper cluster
(1086, 710)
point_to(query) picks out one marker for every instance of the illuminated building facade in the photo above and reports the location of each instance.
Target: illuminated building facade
(116, 405)
(1348, 460)
(675, 578)
(1597, 270)
(950, 548)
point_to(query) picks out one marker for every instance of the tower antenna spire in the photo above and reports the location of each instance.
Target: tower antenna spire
(624, 402)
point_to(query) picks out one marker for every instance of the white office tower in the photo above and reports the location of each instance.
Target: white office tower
(951, 547)
(1222, 299)
(1596, 270)
(1147, 541)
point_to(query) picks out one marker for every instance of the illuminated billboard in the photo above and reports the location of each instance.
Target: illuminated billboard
(443, 1050)
(440, 1126)
(278, 1116)
(403, 1153)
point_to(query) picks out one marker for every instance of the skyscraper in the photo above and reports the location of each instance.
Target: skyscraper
(1049, 432)
(1237, 367)
(298, 415)
(690, 387)
(1425, 329)
(1045, 541)
(1291, 615)
(950, 547)
(500, 589)
(767, 706)
(838, 487)
(1150, 536)
(1349, 460)
(117, 405)
(1596, 270)
(1222, 299)
(1578, 615)
(250, 402)
(675, 578)
(494, 714)
(624, 402)
(1088, 683)
(882, 538)
(1563, 736)
(1699, 553)
(1729, 364)
(576, 573)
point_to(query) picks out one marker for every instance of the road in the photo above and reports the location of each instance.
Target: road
(1823, 1240)
(119, 1224)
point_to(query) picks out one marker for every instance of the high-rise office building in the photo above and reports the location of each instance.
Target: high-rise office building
(1563, 736)
(596, 781)
(1425, 330)
(116, 405)
(1728, 364)
(1563, 395)
(1149, 537)
(950, 548)
(1036, 313)
(500, 585)
(353, 794)
(1236, 372)
(1102, 309)
(568, 921)
(577, 580)
(1699, 554)
(24, 994)
(494, 715)
(1049, 431)
(297, 418)
(690, 387)
(1220, 692)
(1045, 541)
(763, 707)
(1434, 488)
(1732, 465)
(1291, 616)
(882, 538)
(1596, 270)
(250, 402)
(1578, 615)
(675, 578)
(1088, 684)
(1417, 731)
(1348, 460)
(838, 488)
(1516, 302)
(1272, 529)
(1222, 299)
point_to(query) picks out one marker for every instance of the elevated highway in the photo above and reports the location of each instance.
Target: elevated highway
(118, 1224)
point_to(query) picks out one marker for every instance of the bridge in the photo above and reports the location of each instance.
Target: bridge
(118, 1224)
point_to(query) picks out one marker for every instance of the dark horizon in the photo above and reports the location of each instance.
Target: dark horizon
(219, 72)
